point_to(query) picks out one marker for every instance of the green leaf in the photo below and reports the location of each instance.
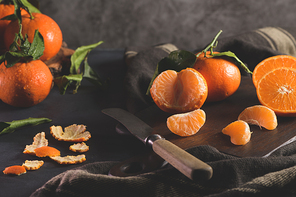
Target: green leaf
(9, 127)
(37, 46)
(9, 17)
(177, 60)
(79, 55)
(91, 75)
(64, 81)
(13, 57)
(29, 6)
(232, 55)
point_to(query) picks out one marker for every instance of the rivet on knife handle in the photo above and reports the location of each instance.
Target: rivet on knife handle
(186, 163)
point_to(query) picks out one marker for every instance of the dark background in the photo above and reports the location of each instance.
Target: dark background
(189, 24)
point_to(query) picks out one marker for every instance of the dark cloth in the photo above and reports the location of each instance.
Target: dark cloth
(274, 175)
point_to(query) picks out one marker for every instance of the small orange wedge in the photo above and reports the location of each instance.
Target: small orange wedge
(259, 115)
(239, 132)
(186, 124)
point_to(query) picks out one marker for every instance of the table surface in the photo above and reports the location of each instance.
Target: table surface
(64, 110)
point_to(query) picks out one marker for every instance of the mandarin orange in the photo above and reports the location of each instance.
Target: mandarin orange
(221, 74)
(239, 132)
(49, 29)
(186, 124)
(179, 92)
(259, 115)
(25, 84)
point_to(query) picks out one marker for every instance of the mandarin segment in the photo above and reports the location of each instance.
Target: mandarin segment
(16, 170)
(239, 132)
(277, 91)
(181, 92)
(259, 115)
(272, 63)
(186, 124)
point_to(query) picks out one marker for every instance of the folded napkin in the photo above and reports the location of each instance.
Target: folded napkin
(274, 175)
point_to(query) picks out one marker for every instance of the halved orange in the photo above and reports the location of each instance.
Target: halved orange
(239, 132)
(186, 124)
(277, 91)
(179, 92)
(272, 63)
(259, 115)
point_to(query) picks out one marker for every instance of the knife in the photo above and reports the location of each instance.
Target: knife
(186, 163)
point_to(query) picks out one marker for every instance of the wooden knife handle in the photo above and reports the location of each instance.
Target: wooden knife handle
(186, 163)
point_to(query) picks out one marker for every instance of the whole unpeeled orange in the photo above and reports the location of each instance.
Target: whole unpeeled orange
(49, 29)
(221, 74)
(25, 84)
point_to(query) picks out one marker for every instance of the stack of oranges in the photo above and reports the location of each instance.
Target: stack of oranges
(27, 83)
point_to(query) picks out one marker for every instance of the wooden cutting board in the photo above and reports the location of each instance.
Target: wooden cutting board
(219, 115)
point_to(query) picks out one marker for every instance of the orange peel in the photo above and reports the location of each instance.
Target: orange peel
(79, 147)
(47, 151)
(33, 164)
(39, 140)
(69, 159)
(72, 133)
(16, 169)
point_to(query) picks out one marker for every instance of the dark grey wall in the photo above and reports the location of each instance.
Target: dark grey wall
(189, 24)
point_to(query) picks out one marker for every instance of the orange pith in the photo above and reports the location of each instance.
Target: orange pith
(277, 90)
(49, 29)
(259, 115)
(186, 124)
(270, 64)
(175, 92)
(239, 132)
(222, 76)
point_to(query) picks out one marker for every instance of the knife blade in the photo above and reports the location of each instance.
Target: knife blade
(186, 163)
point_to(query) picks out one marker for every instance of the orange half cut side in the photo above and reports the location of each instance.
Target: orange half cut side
(277, 91)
